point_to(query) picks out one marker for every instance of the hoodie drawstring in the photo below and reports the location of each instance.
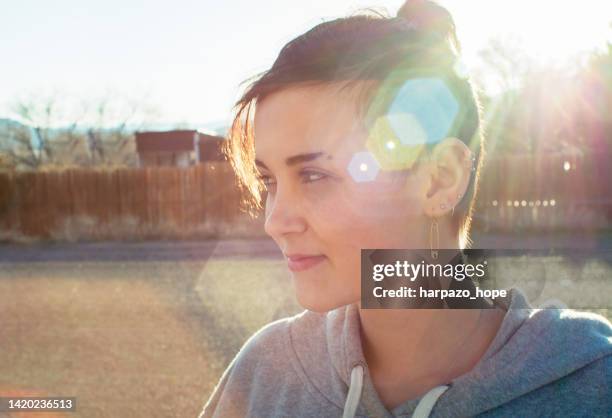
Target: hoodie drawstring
(354, 393)
(422, 410)
(428, 401)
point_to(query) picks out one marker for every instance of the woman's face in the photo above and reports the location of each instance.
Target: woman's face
(309, 149)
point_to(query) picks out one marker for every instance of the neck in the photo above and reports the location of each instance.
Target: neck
(409, 351)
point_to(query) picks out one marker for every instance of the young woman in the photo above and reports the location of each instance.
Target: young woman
(366, 135)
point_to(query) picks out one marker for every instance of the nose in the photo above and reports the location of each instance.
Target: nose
(283, 215)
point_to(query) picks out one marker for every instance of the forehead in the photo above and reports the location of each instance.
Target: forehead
(306, 119)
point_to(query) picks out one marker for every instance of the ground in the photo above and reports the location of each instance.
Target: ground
(135, 330)
(132, 338)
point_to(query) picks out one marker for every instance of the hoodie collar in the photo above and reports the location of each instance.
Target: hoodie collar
(343, 337)
(528, 351)
(344, 343)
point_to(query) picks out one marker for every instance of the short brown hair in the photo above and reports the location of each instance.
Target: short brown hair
(420, 41)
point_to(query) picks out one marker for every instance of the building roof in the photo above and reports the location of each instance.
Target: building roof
(210, 149)
(179, 140)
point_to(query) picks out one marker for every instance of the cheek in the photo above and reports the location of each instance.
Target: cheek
(364, 215)
(348, 219)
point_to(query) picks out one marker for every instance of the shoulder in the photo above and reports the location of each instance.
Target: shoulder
(278, 334)
(577, 340)
(233, 391)
(577, 325)
(271, 335)
(270, 341)
(263, 369)
(555, 320)
(588, 388)
(272, 347)
(592, 323)
(557, 339)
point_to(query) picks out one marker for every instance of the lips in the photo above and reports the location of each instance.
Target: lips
(299, 262)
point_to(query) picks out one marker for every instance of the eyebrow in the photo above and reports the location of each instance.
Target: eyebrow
(296, 159)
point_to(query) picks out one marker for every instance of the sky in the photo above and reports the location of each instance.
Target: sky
(186, 58)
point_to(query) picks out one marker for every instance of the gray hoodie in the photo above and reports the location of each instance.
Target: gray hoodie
(543, 362)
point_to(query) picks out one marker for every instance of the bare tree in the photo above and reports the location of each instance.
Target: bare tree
(19, 150)
(97, 132)
(110, 138)
(31, 142)
(503, 64)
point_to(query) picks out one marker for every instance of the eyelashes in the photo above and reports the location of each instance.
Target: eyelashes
(307, 177)
(312, 176)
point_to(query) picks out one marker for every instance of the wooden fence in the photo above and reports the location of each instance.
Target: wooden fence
(552, 192)
(157, 202)
(545, 192)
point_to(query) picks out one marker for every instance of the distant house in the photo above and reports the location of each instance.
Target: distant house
(179, 148)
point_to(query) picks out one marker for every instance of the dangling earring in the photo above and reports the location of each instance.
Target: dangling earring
(433, 230)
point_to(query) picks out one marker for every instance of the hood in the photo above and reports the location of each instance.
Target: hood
(529, 351)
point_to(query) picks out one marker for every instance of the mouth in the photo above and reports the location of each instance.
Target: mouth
(300, 263)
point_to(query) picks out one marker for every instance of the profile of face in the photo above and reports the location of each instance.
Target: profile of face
(306, 141)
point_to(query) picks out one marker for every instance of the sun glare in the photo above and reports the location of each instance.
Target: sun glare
(546, 31)
(569, 28)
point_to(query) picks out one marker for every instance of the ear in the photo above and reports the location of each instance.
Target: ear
(450, 171)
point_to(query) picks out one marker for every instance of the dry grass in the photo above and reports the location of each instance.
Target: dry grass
(138, 338)
(128, 339)
(84, 228)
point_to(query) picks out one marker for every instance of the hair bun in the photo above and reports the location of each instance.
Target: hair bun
(428, 16)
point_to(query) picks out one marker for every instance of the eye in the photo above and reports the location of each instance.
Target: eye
(311, 176)
(266, 180)
(307, 177)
